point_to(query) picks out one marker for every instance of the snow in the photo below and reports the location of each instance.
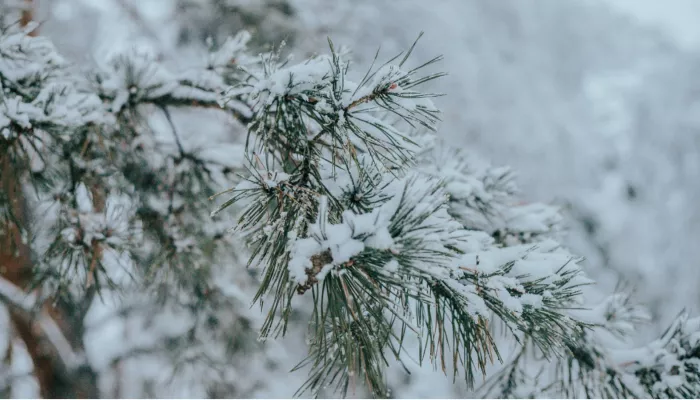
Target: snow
(302, 250)
(392, 266)
(83, 199)
(381, 239)
(344, 240)
(544, 89)
(293, 80)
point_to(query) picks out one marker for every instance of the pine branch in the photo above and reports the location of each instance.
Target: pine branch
(366, 269)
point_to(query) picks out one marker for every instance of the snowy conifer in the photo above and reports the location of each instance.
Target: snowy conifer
(338, 201)
(358, 224)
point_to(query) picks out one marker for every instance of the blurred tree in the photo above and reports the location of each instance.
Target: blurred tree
(270, 21)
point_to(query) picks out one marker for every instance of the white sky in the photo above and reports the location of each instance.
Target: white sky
(679, 18)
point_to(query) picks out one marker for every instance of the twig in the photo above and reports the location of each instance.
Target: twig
(27, 304)
(28, 16)
(173, 129)
(16, 297)
(70, 358)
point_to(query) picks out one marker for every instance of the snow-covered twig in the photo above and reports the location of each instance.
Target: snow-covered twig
(27, 304)
(71, 359)
(16, 297)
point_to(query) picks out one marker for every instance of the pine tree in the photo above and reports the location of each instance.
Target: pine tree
(201, 20)
(355, 221)
(100, 207)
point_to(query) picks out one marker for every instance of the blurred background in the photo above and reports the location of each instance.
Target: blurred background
(595, 104)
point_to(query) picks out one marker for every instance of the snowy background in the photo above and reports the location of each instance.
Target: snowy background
(675, 18)
(596, 105)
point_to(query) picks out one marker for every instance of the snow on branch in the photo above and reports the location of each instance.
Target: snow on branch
(28, 305)
(140, 77)
(336, 110)
(16, 297)
(335, 205)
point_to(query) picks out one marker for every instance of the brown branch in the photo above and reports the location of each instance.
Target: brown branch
(370, 97)
(317, 262)
(56, 366)
(98, 199)
(28, 16)
(15, 264)
(72, 379)
(14, 257)
(60, 371)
